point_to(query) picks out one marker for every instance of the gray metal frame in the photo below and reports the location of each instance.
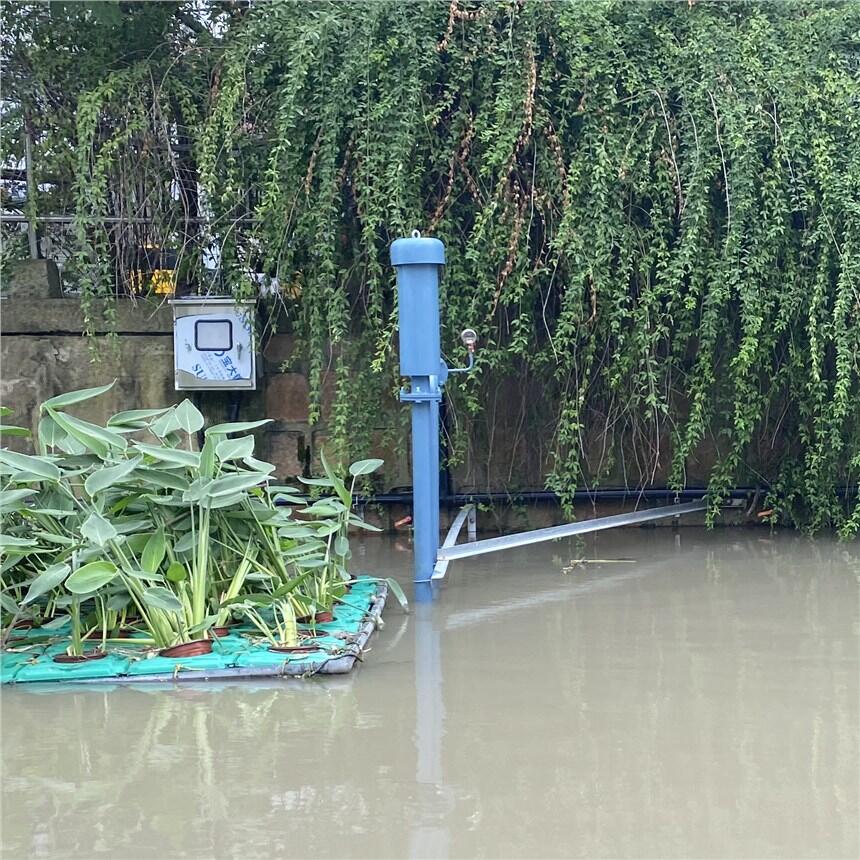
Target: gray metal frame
(448, 552)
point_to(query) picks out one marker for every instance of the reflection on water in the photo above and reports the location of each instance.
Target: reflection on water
(702, 702)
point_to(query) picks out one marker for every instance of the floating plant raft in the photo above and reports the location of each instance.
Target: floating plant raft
(328, 648)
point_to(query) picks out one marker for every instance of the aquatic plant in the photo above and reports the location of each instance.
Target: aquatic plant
(130, 521)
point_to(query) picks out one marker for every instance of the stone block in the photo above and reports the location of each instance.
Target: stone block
(280, 349)
(287, 397)
(34, 279)
(287, 450)
(35, 368)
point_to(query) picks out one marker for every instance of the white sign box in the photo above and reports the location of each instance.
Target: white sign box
(213, 344)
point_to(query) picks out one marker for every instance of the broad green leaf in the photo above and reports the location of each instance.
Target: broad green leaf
(169, 455)
(234, 449)
(360, 523)
(260, 466)
(316, 482)
(284, 499)
(311, 563)
(328, 508)
(91, 577)
(365, 467)
(205, 624)
(159, 597)
(219, 502)
(136, 418)
(104, 479)
(166, 424)
(297, 532)
(327, 527)
(55, 623)
(197, 490)
(143, 575)
(185, 543)
(189, 417)
(8, 604)
(177, 572)
(79, 396)
(10, 540)
(161, 478)
(97, 529)
(13, 430)
(234, 483)
(130, 525)
(341, 545)
(207, 458)
(94, 438)
(40, 466)
(397, 591)
(236, 427)
(12, 500)
(50, 537)
(4, 411)
(50, 433)
(153, 552)
(49, 578)
(10, 560)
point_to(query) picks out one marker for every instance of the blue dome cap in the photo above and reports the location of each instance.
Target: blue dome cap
(416, 251)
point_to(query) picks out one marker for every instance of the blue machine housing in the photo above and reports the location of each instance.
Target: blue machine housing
(417, 262)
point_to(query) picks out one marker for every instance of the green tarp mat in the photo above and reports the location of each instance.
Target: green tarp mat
(243, 653)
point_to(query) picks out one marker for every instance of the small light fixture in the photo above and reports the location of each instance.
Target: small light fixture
(470, 338)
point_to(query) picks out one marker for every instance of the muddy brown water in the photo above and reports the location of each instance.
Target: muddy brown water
(701, 701)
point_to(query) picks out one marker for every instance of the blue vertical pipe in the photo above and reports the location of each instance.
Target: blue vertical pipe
(417, 262)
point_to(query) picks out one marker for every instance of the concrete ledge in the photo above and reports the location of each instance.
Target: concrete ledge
(66, 316)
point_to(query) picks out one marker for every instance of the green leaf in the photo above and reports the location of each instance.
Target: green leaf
(13, 430)
(169, 455)
(104, 479)
(39, 466)
(316, 482)
(185, 543)
(154, 551)
(260, 466)
(234, 449)
(236, 427)
(53, 436)
(207, 458)
(166, 424)
(75, 397)
(188, 417)
(397, 591)
(4, 411)
(8, 604)
(341, 545)
(336, 482)
(12, 500)
(159, 597)
(143, 575)
(197, 490)
(327, 508)
(135, 418)
(177, 572)
(162, 479)
(234, 483)
(91, 436)
(91, 577)
(365, 467)
(49, 578)
(97, 529)
(10, 540)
